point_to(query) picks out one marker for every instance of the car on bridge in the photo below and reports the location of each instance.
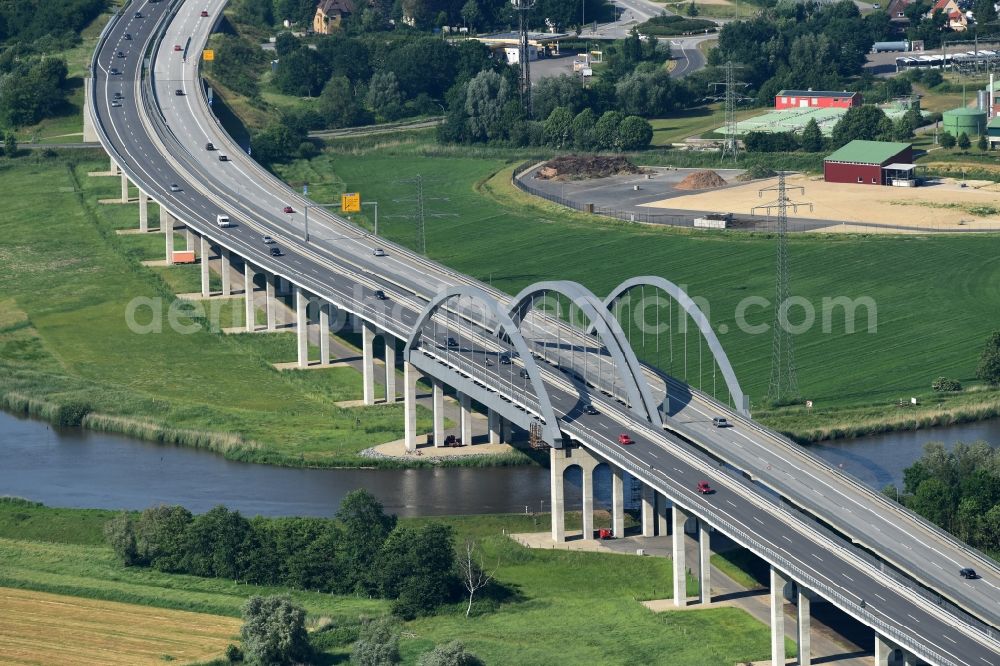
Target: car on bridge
(625, 440)
(128, 36)
(267, 240)
(275, 251)
(288, 209)
(380, 295)
(704, 488)
(504, 359)
(450, 342)
(209, 146)
(720, 422)
(589, 409)
(378, 252)
(114, 71)
(968, 573)
(179, 92)
(137, 15)
(178, 47)
(174, 187)
(223, 158)
(204, 13)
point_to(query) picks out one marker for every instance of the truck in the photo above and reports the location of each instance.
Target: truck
(223, 220)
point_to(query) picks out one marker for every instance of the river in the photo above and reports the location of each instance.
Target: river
(81, 468)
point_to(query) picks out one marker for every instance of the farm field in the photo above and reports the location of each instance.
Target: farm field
(49, 628)
(936, 295)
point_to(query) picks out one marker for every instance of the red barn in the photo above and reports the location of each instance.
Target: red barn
(867, 162)
(816, 99)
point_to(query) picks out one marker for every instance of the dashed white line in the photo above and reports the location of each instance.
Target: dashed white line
(912, 618)
(847, 577)
(758, 520)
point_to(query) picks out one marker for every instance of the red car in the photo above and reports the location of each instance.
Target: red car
(624, 439)
(704, 488)
(289, 209)
(177, 47)
(204, 13)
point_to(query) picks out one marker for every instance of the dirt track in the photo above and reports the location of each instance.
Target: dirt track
(942, 206)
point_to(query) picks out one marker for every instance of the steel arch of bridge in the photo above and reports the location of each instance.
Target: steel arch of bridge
(609, 332)
(699, 318)
(506, 326)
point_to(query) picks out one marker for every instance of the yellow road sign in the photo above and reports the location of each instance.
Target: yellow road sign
(208, 54)
(350, 202)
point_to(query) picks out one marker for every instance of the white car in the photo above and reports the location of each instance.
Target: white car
(378, 252)
(267, 240)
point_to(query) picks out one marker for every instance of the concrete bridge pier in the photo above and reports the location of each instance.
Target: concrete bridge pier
(704, 563)
(143, 212)
(438, 416)
(410, 375)
(648, 511)
(224, 272)
(662, 511)
(803, 625)
(302, 326)
(269, 301)
(679, 560)
(465, 404)
(390, 368)
(204, 255)
(124, 188)
(167, 225)
(778, 617)
(249, 314)
(493, 418)
(368, 361)
(617, 501)
(113, 167)
(325, 310)
(189, 240)
(883, 650)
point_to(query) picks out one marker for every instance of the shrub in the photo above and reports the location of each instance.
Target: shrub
(946, 140)
(234, 654)
(449, 654)
(946, 385)
(274, 631)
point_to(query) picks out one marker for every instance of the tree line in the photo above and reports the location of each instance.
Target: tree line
(364, 551)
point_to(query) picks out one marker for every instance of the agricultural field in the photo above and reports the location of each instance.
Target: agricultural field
(66, 350)
(936, 296)
(51, 628)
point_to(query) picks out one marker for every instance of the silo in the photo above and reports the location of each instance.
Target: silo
(983, 100)
(970, 121)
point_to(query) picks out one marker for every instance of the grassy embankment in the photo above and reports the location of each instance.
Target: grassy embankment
(593, 598)
(935, 296)
(68, 355)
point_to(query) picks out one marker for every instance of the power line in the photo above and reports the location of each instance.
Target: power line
(421, 214)
(784, 382)
(731, 96)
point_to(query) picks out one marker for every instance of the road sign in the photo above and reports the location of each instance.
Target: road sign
(208, 54)
(350, 202)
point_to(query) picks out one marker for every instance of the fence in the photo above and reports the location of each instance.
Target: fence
(754, 223)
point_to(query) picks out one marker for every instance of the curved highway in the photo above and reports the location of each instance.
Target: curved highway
(159, 140)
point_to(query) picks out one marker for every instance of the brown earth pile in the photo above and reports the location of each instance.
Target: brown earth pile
(701, 180)
(579, 167)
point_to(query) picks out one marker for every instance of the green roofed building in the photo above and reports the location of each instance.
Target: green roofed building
(993, 132)
(870, 163)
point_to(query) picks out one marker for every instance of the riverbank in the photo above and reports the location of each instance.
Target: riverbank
(597, 595)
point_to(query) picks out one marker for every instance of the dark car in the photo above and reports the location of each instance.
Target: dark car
(380, 295)
(288, 209)
(128, 36)
(137, 15)
(223, 158)
(505, 360)
(209, 146)
(120, 54)
(204, 13)
(178, 47)
(589, 409)
(179, 92)
(116, 104)
(523, 373)
(451, 342)
(275, 251)
(966, 572)
(114, 71)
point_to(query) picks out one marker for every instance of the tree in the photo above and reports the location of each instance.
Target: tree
(989, 361)
(449, 654)
(366, 527)
(606, 130)
(471, 15)
(862, 122)
(812, 137)
(946, 140)
(337, 104)
(691, 9)
(377, 644)
(933, 500)
(302, 72)
(563, 90)
(902, 129)
(486, 95)
(984, 12)
(213, 541)
(119, 532)
(983, 143)
(559, 127)
(275, 142)
(285, 44)
(274, 631)
(10, 144)
(473, 575)
(160, 534)
(634, 133)
(416, 567)
(384, 97)
(583, 129)
(963, 141)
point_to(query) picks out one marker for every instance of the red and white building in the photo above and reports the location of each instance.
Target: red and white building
(816, 99)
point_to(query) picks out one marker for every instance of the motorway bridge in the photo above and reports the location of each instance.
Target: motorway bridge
(534, 360)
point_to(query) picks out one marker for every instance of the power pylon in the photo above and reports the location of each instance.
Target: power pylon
(731, 96)
(420, 214)
(522, 7)
(784, 383)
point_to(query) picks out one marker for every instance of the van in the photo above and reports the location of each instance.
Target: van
(223, 221)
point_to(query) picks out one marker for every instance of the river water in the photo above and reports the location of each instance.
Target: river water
(80, 468)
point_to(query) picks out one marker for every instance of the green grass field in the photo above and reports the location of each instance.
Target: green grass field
(593, 598)
(68, 281)
(936, 296)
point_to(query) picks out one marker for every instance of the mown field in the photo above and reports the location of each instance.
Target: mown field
(66, 349)
(936, 297)
(592, 598)
(50, 628)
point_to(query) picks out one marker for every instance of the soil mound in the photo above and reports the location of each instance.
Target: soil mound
(579, 167)
(701, 180)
